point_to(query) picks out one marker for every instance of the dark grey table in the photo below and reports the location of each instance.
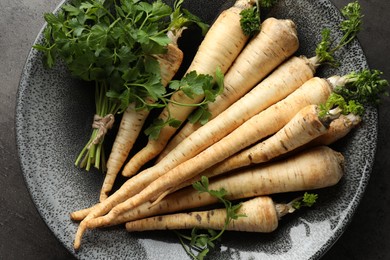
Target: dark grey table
(23, 234)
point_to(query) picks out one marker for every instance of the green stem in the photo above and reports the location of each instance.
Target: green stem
(144, 22)
(98, 154)
(92, 155)
(81, 154)
(97, 97)
(188, 105)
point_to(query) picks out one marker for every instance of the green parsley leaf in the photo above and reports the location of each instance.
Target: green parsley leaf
(350, 26)
(201, 115)
(366, 87)
(250, 21)
(322, 49)
(307, 200)
(153, 131)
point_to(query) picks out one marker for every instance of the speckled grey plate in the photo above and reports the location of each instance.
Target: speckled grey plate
(53, 119)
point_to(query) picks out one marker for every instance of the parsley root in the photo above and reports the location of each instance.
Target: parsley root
(338, 128)
(259, 214)
(133, 120)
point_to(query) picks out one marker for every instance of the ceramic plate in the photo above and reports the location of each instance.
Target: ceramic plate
(53, 118)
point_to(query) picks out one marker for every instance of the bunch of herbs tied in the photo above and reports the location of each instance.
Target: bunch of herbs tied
(113, 43)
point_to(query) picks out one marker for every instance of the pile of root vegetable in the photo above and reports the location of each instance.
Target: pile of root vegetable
(267, 131)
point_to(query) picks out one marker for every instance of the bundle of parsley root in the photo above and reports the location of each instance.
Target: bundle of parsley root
(130, 50)
(127, 48)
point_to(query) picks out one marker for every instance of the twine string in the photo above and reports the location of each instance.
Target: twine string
(103, 124)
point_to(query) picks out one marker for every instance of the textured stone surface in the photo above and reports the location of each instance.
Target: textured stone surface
(24, 235)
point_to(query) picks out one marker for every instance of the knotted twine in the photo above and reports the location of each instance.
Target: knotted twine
(103, 124)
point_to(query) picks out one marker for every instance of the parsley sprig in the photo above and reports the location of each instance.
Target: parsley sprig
(307, 200)
(337, 105)
(201, 243)
(350, 27)
(251, 17)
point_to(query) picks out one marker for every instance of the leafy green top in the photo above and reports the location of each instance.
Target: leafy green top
(307, 200)
(107, 41)
(343, 107)
(366, 87)
(250, 17)
(204, 241)
(356, 90)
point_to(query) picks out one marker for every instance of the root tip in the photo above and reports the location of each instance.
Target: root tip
(72, 216)
(79, 235)
(76, 245)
